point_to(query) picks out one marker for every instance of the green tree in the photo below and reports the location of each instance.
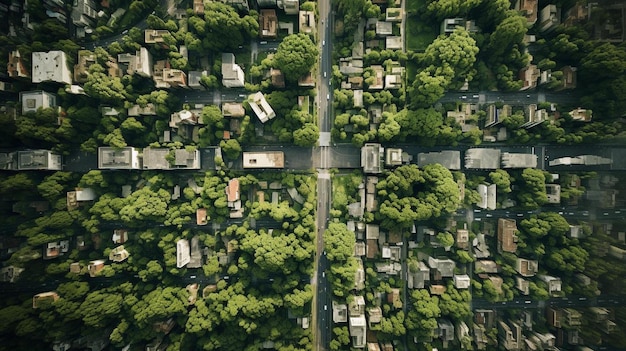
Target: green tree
(307, 135)
(296, 56)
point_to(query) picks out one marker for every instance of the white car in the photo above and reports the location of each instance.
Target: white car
(327, 96)
(324, 74)
(323, 42)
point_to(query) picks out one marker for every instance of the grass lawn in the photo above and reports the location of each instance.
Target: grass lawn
(419, 34)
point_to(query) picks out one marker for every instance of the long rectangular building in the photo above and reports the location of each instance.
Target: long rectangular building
(266, 159)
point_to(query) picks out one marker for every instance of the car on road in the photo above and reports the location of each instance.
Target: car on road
(323, 42)
(324, 74)
(327, 96)
(325, 307)
(263, 42)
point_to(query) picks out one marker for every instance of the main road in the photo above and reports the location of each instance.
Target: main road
(322, 305)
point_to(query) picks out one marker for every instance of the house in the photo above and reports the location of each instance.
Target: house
(306, 22)
(510, 335)
(153, 36)
(196, 254)
(537, 341)
(359, 276)
(183, 255)
(507, 235)
(120, 236)
(495, 115)
(445, 267)
(393, 298)
(529, 76)
(10, 273)
(140, 63)
(50, 66)
(534, 116)
(166, 159)
(417, 279)
(267, 159)
(358, 329)
(94, 267)
(114, 158)
(137, 110)
(525, 267)
(32, 160)
(277, 78)
(374, 315)
(15, 66)
(372, 157)
(393, 14)
(118, 254)
(340, 312)
(461, 281)
(55, 249)
(86, 58)
(549, 18)
(393, 42)
(462, 112)
(480, 337)
(45, 298)
(569, 77)
(261, 107)
(518, 160)
(232, 74)
(581, 114)
(232, 191)
(268, 23)
(448, 25)
(445, 331)
(393, 76)
(522, 285)
(488, 194)
(307, 80)
(290, 7)
(529, 9)
(553, 191)
(486, 266)
(233, 110)
(462, 238)
(553, 284)
(33, 100)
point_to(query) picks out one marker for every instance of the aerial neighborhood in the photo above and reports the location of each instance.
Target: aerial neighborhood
(379, 175)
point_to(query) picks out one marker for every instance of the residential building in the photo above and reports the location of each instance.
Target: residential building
(232, 74)
(522, 285)
(488, 196)
(481, 249)
(94, 267)
(153, 36)
(268, 159)
(482, 158)
(261, 107)
(451, 159)
(461, 281)
(496, 115)
(183, 253)
(201, 216)
(114, 158)
(480, 337)
(537, 341)
(33, 100)
(581, 114)
(529, 76)
(15, 66)
(374, 315)
(50, 66)
(569, 77)
(84, 13)
(518, 160)
(166, 159)
(45, 297)
(486, 266)
(118, 254)
(393, 156)
(553, 284)
(120, 236)
(393, 14)
(32, 160)
(86, 58)
(462, 239)
(290, 7)
(359, 276)
(507, 235)
(340, 312)
(549, 18)
(445, 331)
(553, 191)
(534, 116)
(140, 63)
(393, 42)
(136, 110)
(448, 25)
(372, 156)
(526, 268)
(10, 273)
(462, 112)
(529, 9)
(417, 280)
(510, 335)
(358, 328)
(306, 22)
(233, 109)
(445, 267)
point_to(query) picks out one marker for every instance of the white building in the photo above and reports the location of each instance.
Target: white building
(113, 158)
(51, 66)
(183, 253)
(38, 160)
(232, 74)
(33, 100)
(261, 107)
